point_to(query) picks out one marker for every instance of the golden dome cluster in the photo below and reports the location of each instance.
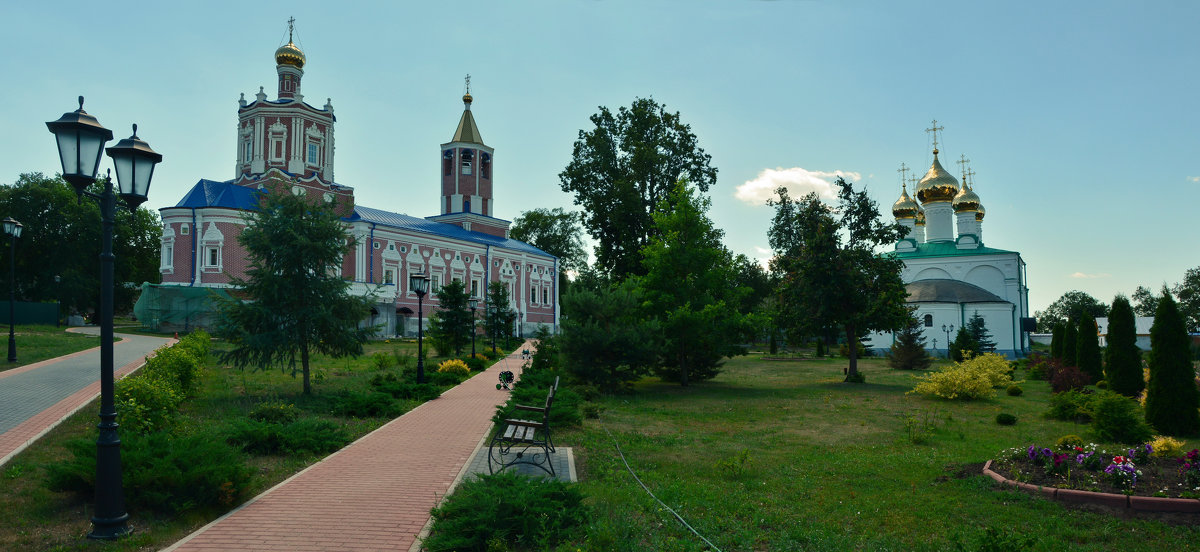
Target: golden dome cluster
(966, 200)
(937, 185)
(905, 207)
(290, 54)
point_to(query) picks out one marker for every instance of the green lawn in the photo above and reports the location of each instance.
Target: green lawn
(829, 466)
(36, 343)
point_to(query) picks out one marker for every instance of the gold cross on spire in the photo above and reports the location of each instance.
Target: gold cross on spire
(468, 83)
(903, 170)
(291, 25)
(935, 129)
(969, 175)
(965, 163)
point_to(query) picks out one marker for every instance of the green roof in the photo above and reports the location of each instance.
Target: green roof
(947, 249)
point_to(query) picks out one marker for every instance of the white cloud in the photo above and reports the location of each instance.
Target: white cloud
(1091, 276)
(798, 182)
(763, 255)
(1194, 178)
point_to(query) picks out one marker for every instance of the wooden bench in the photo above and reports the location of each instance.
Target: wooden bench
(524, 441)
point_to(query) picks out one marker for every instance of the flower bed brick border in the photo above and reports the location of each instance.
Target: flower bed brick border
(1134, 503)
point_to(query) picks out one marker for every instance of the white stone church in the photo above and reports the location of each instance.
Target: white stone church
(950, 273)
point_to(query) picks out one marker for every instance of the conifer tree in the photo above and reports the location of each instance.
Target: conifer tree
(908, 352)
(977, 326)
(1123, 362)
(964, 345)
(451, 325)
(1069, 348)
(1171, 397)
(1087, 349)
(1056, 341)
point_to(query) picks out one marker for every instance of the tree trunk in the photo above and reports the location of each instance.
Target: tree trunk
(304, 363)
(852, 353)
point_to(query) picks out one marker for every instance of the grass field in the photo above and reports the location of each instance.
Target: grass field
(36, 343)
(780, 455)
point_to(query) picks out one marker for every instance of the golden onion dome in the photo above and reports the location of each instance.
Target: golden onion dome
(979, 213)
(290, 54)
(937, 185)
(966, 200)
(467, 98)
(905, 207)
(921, 218)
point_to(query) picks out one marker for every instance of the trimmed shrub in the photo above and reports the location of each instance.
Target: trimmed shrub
(198, 343)
(1041, 366)
(447, 379)
(475, 363)
(1122, 358)
(1005, 418)
(505, 511)
(401, 389)
(1069, 442)
(1070, 348)
(310, 435)
(177, 364)
(1014, 391)
(1067, 378)
(1118, 419)
(161, 472)
(976, 378)
(275, 412)
(146, 403)
(1171, 396)
(382, 361)
(366, 405)
(1087, 349)
(1072, 405)
(454, 366)
(1057, 336)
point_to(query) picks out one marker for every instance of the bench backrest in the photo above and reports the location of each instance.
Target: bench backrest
(549, 401)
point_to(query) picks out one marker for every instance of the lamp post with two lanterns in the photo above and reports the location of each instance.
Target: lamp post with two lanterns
(12, 228)
(81, 141)
(419, 284)
(947, 330)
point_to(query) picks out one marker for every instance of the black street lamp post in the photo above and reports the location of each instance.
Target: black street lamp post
(81, 141)
(521, 325)
(473, 302)
(12, 228)
(947, 330)
(494, 314)
(57, 301)
(419, 284)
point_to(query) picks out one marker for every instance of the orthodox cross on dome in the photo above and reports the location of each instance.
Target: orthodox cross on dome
(291, 26)
(969, 176)
(903, 170)
(468, 79)
(935, 129)
(965, 163)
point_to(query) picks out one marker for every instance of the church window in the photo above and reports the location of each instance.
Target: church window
(214, 257)
(485, 169)
(533, 294)
(928, 320)
(185, 229)
(168, 257)
(377, 245)
(466, 167)
(389, 276)
(546, 296)
(435, 283)
(247, 149)
(312, 153)
(403, 249)
(475, 288)
(467, 206)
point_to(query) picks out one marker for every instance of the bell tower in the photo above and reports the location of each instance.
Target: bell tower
(466, 174)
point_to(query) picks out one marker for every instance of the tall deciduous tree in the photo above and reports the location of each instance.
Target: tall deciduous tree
(1144, 301)
(61, 238)
(1188, 292)
(298, 303)
(556, 232)
(908, 352)
(1123, 360)
(621, 170)
(1171, 396)
(690, 285)
(829, 272)
(1087, 349)
(451, 325)
(1073, 305)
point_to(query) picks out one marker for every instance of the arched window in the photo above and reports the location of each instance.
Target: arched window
(928, 320)
(467, 206)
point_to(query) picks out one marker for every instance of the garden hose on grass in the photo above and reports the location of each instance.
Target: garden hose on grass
(647, 489)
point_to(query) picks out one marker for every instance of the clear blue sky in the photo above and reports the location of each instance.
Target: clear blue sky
(1080, 118)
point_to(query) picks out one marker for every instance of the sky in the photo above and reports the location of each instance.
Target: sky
(1080, 119)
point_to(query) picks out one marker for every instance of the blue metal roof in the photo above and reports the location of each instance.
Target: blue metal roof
(210, 193)
(414, 224)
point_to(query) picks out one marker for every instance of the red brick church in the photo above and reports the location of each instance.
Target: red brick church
(286, 145)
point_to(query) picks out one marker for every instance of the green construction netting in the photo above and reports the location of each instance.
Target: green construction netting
(171, 308)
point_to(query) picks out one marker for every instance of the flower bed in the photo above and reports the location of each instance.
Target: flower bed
(1135, 471)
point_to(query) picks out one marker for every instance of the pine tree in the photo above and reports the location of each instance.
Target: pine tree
(1171, 397)
(977, 326)
(451, 325)
(1087, 349)
(1123, 362)
(1056, 342)
(908, 352)
(1069, 348)
(964, 345)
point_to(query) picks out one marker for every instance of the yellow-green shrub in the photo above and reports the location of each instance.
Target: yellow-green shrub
(146, 402)
(198, 343)
(975, 378)
(177, 364)
(1166, 447)
(454, 366)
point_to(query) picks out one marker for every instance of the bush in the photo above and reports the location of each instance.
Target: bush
(447, 379)
(1068, 378)
(1041, 366)
(160, 472)
(1166, 447)
(146, 403)
(475, 363)
(374, 404)
(857, 377)
(531, 390)
(454, 366)
(1005, 418)
(1118, 419)
(507, 510)
(1102, 384)
(400, 389)
(382, 361)
(1014, 391)
(310, 435)
(275, 412)
(1068, 442)
(176, 364)
(1070, 406)
(976, 378)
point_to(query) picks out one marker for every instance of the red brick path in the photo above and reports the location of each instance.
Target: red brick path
(376, 493)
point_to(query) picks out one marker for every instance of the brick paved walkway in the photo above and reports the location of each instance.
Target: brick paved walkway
(376, 493)
(36, 397)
